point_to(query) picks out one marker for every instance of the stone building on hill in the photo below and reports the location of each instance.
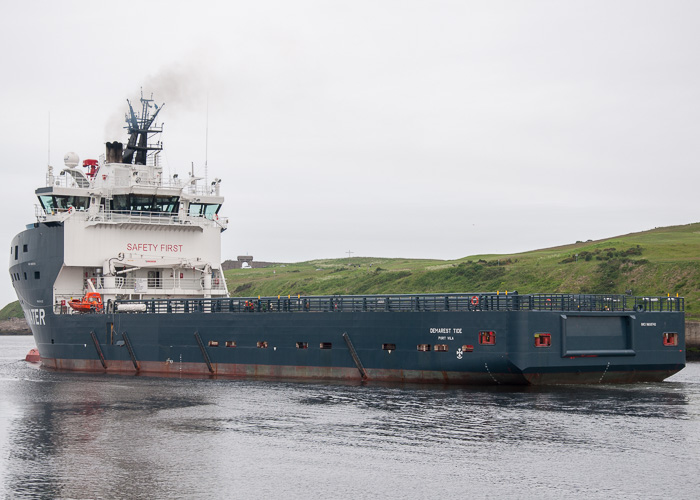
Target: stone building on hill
(244, 261)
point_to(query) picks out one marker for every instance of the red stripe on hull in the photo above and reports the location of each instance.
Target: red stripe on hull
(226, 370)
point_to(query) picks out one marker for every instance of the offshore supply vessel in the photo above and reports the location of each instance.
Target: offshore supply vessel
(121, 272)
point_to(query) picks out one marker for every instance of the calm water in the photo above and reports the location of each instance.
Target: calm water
(94, 436)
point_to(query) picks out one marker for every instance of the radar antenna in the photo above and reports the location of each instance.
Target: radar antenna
(141, 130)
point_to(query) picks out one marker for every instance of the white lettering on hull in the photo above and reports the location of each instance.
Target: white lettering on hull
(36, 316)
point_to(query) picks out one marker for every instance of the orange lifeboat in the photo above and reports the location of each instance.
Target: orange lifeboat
(91, 302)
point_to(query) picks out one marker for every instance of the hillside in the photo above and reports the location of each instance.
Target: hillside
(656, 262)
(11, 310)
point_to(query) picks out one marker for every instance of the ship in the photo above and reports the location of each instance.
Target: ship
(121, 273)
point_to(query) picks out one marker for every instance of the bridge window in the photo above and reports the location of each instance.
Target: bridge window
(53, 204)
(203, 210)
(145, 203)
(543, 340)
(487, 338)
(670, 338)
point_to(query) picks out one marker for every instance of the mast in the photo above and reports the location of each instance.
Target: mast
(141, 129)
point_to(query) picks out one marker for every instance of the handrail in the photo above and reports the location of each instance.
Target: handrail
(452, 302)
(132, 216)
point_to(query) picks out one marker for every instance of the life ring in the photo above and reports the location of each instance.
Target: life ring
(70, 210)
(216, 281)
(216, 216)
(639, 307)
(475, 300)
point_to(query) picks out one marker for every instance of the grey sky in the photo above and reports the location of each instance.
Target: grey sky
(390, 128)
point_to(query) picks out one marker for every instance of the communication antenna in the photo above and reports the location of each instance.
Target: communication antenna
(206, 147)
(48, 160)
(49, 168)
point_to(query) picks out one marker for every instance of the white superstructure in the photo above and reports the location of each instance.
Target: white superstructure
(131, 231)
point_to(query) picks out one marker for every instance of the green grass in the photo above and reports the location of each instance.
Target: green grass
(659, 262)
(11, 310)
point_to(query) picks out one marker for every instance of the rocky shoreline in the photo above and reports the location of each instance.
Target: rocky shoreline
(14, 326)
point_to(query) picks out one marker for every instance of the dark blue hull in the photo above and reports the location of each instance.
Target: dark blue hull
(290, 345)
(461, 339)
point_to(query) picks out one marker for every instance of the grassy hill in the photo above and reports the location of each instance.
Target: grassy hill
(657, 262)
(11, 310)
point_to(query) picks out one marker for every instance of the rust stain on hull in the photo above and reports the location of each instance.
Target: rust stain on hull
(226, 370)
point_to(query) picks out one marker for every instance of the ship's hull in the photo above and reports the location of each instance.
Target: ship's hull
(416, 345)
(168, 344)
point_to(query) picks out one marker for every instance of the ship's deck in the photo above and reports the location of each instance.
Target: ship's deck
(458, 302)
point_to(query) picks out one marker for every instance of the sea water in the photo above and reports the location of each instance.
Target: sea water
(66, 435)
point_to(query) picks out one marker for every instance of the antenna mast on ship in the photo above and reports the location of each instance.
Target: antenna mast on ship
(141, 129)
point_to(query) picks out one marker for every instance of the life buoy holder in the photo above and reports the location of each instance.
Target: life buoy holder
(475, 300)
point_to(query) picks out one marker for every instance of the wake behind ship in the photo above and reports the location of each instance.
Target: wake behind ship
(121, 272)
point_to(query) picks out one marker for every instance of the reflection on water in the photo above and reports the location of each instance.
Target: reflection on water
(84, 436)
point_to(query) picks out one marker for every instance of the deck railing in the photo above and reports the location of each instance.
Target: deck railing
(147, 285)
(410, 303)
(132, 217)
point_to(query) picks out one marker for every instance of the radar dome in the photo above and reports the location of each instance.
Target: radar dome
(71, 160)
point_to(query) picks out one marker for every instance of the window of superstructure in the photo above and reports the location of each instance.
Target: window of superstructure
(145, 203)
(25, 248)
(141, 203)
(207, 210)
(55, 203)
(37, 275)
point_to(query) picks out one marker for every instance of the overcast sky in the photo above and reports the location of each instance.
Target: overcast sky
(434, 129)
